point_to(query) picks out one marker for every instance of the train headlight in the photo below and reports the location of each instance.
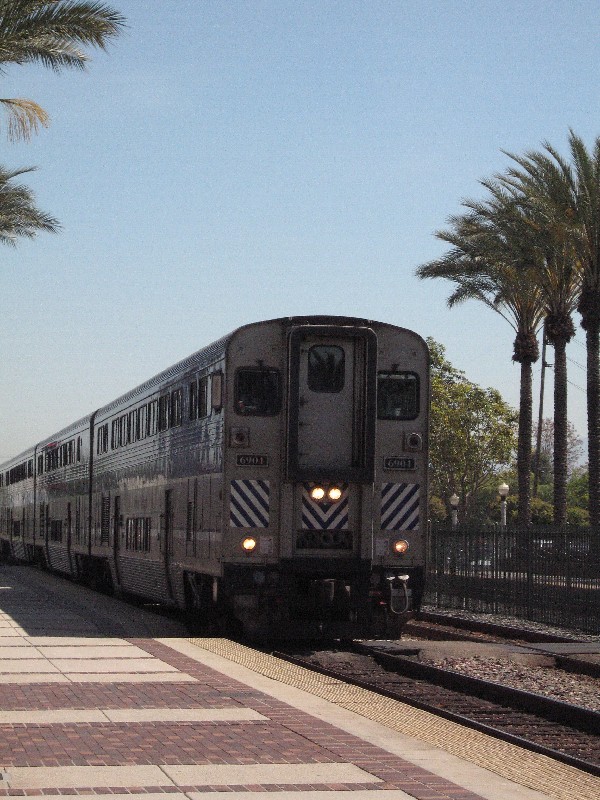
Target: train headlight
(400, 547)
(249, 544)
(334, 493)
(317, 493)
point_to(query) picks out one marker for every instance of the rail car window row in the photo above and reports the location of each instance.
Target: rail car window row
(157, 415)
(137, 533)
(57, 456)
(19, 473)
(160, 414)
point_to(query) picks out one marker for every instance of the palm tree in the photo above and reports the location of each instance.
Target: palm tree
(545, 204)
(580, 185)
(18, 213)
(492, 261)
(52, 32)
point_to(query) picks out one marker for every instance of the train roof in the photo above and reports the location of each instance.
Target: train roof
(201, 358)
(198, 360)
(212, 352)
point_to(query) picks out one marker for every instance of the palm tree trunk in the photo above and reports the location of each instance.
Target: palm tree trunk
(592, 331)
(560, 431)
(524, 443)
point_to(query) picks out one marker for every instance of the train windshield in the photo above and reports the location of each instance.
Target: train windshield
(397, 395)
(257, 391)
(326, 366)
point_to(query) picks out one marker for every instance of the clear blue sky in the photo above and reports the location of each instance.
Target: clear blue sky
(235, 160)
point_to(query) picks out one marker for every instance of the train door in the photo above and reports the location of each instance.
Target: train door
(117, 527)
(332, 395)
(69, 537)
(168, 516)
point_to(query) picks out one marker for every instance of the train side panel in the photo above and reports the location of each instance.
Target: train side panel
(62, 467)
(157, 466)
(17, 507)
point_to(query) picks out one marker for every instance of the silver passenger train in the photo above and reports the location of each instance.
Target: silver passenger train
(275, 481)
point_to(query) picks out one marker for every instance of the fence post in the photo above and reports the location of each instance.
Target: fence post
(526, 531)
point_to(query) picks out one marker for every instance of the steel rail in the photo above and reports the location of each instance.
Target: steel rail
(497, 733)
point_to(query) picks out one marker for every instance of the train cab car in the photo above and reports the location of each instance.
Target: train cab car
(324, 475)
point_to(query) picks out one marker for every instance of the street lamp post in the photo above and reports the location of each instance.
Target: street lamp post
(454, 501)
(503, 492)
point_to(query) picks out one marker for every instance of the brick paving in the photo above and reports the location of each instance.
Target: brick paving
(290, 751)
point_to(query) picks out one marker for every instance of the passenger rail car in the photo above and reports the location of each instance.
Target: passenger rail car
(276, 479)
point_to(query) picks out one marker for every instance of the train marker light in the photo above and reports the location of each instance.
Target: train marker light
(334, 493)
(248, 544)
(400, 547)
(317, 493)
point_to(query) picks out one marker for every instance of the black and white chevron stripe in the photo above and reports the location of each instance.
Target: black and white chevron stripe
(324, 516)
(400, 506)
(249, 504)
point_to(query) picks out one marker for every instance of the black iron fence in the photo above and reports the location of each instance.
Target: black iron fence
(543, 573)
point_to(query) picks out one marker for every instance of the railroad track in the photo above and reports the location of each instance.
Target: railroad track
(561, 731)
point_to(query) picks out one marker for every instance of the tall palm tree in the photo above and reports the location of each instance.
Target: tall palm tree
(491, 261)
(545, 204)
(18, 214)
(53, 32)
(581, 186)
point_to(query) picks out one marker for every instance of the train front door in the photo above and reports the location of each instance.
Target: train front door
(332, 390)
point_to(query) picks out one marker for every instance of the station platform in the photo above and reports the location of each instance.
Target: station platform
(99, 699)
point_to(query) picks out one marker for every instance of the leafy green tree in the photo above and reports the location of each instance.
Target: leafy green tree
(574, 449)
(18, 213)
(472, 435)
(53, 32)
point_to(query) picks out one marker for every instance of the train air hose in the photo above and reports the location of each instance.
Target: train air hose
(399, 600)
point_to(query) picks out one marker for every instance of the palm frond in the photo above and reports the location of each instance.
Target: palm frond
(55, 31)
(24, 117)
(19, 216)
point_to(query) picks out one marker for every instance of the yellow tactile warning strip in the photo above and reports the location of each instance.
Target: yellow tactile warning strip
(529, 769)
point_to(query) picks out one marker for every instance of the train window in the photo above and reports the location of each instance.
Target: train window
(326, 366)
(163, 412)
(102, 439)
(216, 391)
(137, 533)
(79, 448)
(257, 391)
(124, 430)
(142, 422)
(203, 397)
(114, 435)
(56, 530)
(193, 400)
(152, 417)
(397, 395)
(133, 426)
(30, 468)
(175, 415)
